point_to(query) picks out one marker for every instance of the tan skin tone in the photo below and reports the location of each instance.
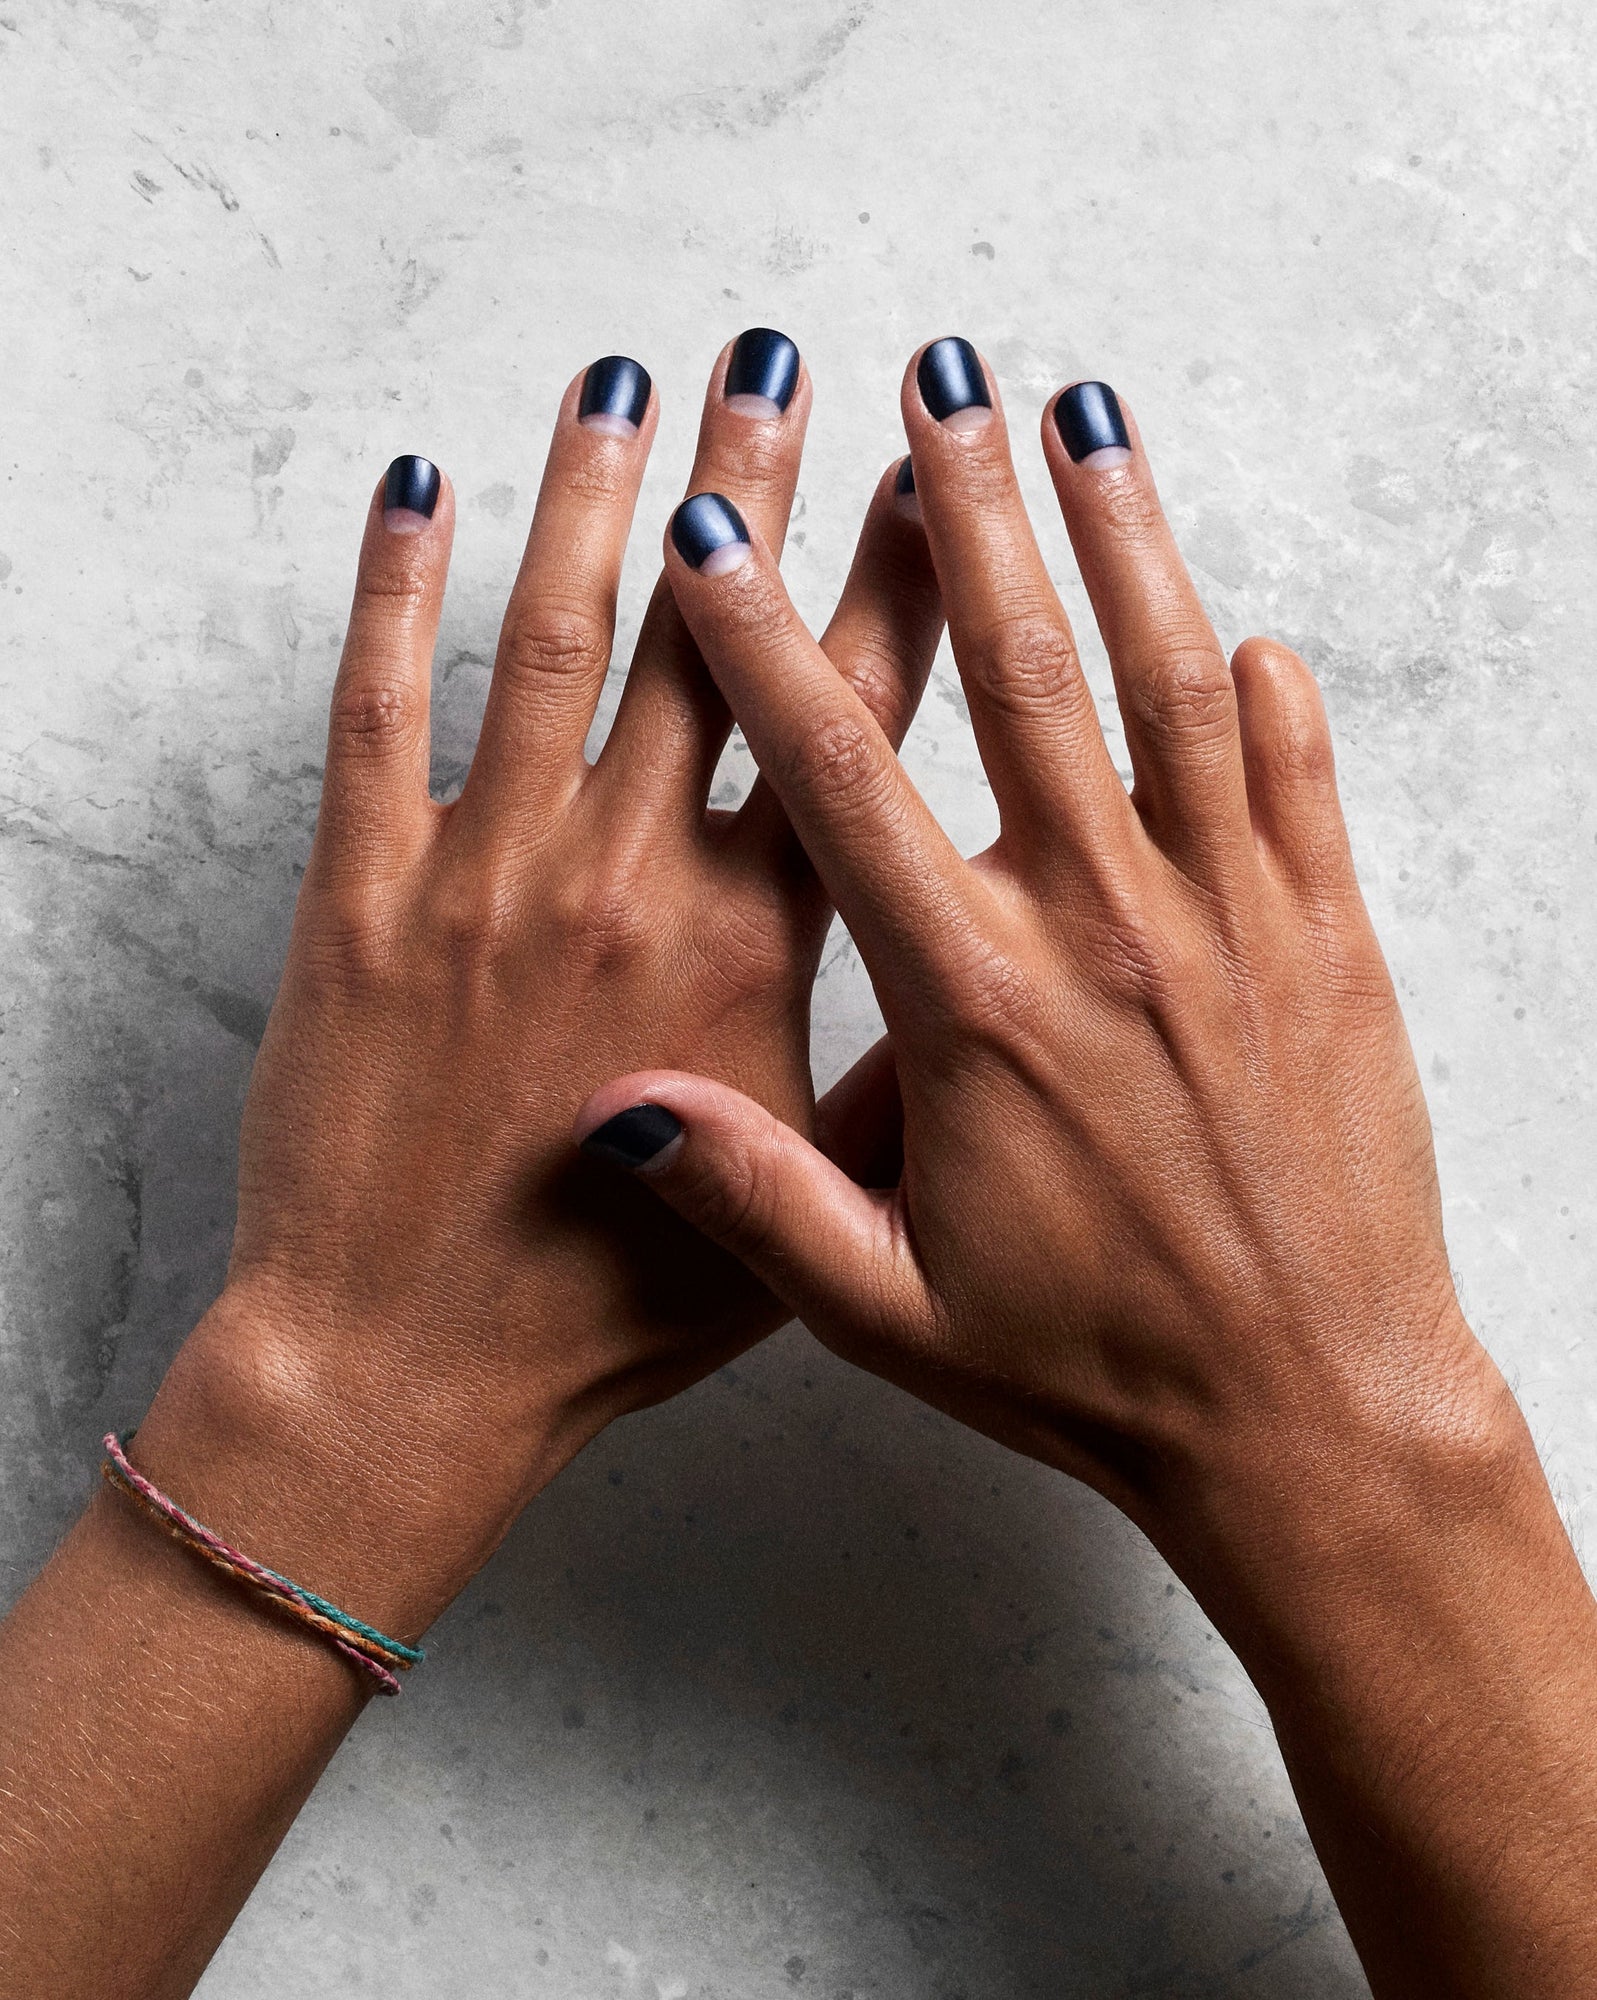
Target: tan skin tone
(432, 1302)
(1143, 1187)
(1166, 1213)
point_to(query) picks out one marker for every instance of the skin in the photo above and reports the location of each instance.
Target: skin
(1164, 1213)
(432, 1304)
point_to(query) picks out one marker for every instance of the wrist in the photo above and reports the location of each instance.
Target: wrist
(1392, 1504)
(359, 1486)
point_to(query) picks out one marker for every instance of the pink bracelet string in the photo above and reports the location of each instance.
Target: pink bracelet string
(372, 1651)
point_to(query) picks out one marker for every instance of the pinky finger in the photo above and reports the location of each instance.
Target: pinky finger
(1290, 766)
(375, 810)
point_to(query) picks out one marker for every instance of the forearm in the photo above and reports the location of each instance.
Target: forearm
(160, 1731)
(1425, 1641)
(162, 1724)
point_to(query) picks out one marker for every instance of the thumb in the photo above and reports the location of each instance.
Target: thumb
(838, 1255)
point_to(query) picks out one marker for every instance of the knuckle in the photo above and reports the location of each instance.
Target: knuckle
(837, 762)
(746, 469)
(1186, 695)
(1143, 952)
(878, 676)
(395, 589)
(996, 1007)
(1129, 509)
(595, 477)
(473, 915)
(350, 949)
(552, 643)
(1300, 751)
(603, 920)
(1161, 970)
(1027, 663)
(383, 716)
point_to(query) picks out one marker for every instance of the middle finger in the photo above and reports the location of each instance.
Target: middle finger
(672, 723)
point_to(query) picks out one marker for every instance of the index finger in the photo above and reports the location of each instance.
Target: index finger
(896, 879)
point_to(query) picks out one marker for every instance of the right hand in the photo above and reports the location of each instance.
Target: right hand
(1168, 1214)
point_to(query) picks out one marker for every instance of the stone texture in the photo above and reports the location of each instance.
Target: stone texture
(790, 1687)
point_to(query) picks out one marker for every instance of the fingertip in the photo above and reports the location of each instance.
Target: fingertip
(905, 501)
(1271, 674)
(1088, 422)
(642, 1138)
(413, 497)
(709, 534)
(952, 385)
(1288, 755)
(612, 397)
(761, 377)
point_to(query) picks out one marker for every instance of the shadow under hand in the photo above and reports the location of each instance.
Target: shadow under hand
(793, 1684)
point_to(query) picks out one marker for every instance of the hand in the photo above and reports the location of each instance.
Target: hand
(1167, 1198)
(1166, 1214)
(431, 1305)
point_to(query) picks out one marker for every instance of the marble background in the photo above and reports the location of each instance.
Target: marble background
(790, 1687)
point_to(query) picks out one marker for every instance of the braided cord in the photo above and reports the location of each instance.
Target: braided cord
(375, 1653)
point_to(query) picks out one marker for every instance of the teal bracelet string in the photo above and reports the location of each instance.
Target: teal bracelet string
(368, 1648)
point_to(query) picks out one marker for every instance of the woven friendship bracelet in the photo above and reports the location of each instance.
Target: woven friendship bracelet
(374, 1653)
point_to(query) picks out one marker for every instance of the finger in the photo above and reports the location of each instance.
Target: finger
(882, 639)
(886, 864)
(554, 645)
(836, 1254)
(1291, 767)
(1174, 687)
(1030, 706)
(375, 810)
(859, 1123)
(672, 722)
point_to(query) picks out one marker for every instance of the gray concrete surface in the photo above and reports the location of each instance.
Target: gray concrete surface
(789, 1688)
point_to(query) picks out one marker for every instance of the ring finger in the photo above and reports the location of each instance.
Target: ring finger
(554, 646)
(1176, 695)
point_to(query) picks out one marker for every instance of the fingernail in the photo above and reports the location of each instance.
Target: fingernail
(762, 373)
(615, 395)
(905, 498)
(634, 1137)
(410, 493)
(952, 385)
(709, 534)
(1090, 425)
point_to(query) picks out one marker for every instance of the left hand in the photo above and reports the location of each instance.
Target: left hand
(431, 1306)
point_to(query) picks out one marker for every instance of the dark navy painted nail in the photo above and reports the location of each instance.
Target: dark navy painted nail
(703, 526)
(950, 379)
(633, 1137)
(615, 392)
(411, 485)
(1089, 420)
(764, 364)
(905, 481)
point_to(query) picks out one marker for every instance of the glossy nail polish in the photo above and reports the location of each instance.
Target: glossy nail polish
(1089, 422)
(762, 373)
(410, 493)
(633, 1137)
(615, 395)
(905, 481)
(952, 385)
(709, 534)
